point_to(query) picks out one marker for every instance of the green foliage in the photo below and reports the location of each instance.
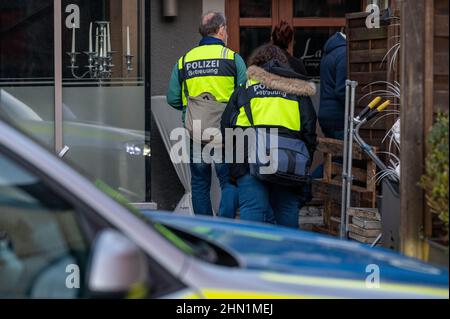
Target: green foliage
(435, 179)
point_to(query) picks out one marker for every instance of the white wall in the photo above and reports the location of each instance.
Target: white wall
(213, 5)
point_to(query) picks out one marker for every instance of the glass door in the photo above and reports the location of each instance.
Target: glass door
(314, 23)
(251, 22)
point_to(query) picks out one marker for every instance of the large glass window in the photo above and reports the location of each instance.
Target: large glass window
(103, 84)
(308, 46)
(251, 38)
(105, 132)
(27, 66)
(40, 240)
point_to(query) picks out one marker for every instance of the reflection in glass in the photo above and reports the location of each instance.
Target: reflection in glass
(107, 138)
(89, 11)
(308, 46)
(255, 8)
(251, 38)
(106, 134)
(40, 237)
(27, 66)
(26, 41)
(325, 8)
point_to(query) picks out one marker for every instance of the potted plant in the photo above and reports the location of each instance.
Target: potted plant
(435, 184)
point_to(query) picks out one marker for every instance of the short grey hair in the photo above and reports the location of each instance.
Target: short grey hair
(211, 23)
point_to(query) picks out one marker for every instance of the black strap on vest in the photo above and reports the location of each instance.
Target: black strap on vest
(186, 92)
(247, 108)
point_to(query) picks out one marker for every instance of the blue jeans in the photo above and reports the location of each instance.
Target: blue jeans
(259, 201)
(338, 135)
(201, 188)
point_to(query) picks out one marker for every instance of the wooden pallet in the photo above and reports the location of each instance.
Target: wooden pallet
(329, 189)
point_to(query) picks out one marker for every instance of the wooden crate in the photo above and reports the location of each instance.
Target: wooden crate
(329, 189)
(364, 224)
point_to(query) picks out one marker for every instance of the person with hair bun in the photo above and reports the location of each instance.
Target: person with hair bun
(282, 36)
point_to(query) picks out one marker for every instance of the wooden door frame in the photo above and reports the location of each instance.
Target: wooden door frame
(235, 21)
(281, 10)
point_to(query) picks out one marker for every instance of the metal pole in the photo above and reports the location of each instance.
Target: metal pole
(57, 42)
(368, 150)
(344, 155)
(377, 240)
(353, 84)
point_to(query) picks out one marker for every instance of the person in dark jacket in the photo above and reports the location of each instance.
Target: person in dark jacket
(278, 97)
(333, 74)
(282, 36)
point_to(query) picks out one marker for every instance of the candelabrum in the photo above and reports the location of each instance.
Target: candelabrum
(100, 59)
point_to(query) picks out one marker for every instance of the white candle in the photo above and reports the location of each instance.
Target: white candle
(104, 42)
(109, 38)
(73, 38)
(128, 41)
(96, 40)
(90, 37)
(100, 42)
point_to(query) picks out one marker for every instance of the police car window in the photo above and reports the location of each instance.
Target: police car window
(42, 250)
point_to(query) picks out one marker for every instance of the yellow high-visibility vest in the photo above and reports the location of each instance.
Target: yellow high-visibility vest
(269, 108)
(208, 68)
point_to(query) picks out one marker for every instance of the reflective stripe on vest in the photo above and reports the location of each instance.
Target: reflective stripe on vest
(270, 108)
(209, 68)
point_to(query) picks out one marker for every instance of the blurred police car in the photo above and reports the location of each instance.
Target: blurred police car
(63, 236)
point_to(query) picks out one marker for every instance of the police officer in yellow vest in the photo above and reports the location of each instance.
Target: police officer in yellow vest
(274, 97)
(213, 68)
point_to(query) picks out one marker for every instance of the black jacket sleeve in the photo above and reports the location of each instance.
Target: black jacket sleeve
(308, 120)
(230, 110)
(235, 169)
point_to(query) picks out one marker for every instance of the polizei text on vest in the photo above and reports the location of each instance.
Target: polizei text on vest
(202, 67)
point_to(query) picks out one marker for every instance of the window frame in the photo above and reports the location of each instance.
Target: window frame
(281, 10)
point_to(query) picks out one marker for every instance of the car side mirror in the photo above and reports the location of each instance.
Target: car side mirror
(117, 265)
